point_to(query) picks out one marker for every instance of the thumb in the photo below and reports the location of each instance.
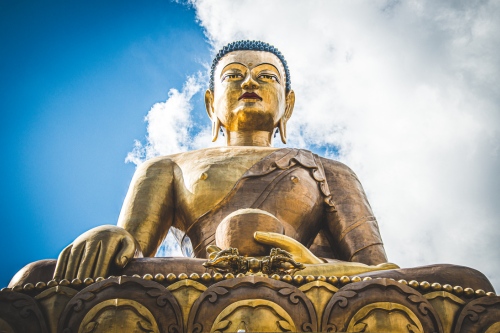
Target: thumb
(296, 249)
(276, 240)
(126, 252)
(387, 265)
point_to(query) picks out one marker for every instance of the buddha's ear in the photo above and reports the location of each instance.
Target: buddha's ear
(290, 103)
(209, 103)
(209, 106)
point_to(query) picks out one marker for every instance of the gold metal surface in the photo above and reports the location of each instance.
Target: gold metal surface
(298, 251)
(52, 302)
(253, 315)
(277, 263)
(250, 103)
(385, 317)
(249, 98)
(119, 315)
(319, 293)
(494, 328)
(186, 292)
(447, 306)
(318, 289)
(237, 231)
(314, 265)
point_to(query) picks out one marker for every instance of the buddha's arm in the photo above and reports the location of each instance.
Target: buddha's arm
(146, 216)
(352, 226)
(148, 209)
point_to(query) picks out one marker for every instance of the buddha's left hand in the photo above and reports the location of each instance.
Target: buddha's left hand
(299, 252)
(314, 265)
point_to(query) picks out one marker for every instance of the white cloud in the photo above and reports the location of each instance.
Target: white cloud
(408, 93)
(169, 247)
(169, 124)
(171, 128)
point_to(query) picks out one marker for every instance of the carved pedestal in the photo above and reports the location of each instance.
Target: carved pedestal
(215, 303)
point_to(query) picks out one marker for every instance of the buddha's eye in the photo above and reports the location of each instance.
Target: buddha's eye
(231, 76)
(270, 77)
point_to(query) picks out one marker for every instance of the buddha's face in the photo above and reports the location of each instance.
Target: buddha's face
(249, 91)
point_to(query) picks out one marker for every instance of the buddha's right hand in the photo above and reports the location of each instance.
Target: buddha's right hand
(93, 253)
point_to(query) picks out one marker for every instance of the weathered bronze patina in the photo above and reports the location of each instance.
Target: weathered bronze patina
(301, 221)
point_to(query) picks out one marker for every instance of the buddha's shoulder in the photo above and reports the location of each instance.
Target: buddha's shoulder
(336, 167)
(207, 154)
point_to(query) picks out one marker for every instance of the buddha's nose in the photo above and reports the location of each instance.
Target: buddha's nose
(249, 83)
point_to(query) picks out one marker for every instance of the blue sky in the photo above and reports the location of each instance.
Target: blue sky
(403, 92)
(77, 81)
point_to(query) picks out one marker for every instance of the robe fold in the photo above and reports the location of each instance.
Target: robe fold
(293, 185)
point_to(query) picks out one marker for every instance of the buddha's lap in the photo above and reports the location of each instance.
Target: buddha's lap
(43, 270)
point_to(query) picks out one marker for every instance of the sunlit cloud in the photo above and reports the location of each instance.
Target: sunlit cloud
(169, 124)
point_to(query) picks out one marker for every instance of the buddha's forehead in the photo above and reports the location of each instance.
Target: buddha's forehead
(251, 59)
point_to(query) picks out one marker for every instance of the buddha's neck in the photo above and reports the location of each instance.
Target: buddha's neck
(249, 138)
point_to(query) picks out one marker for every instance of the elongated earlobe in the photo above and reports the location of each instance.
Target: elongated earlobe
(290, 103)
(282, 130)
(215, 128)
(211, 114)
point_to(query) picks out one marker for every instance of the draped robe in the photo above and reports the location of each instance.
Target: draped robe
(319, 201)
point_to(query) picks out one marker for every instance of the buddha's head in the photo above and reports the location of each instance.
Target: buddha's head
(250, 90)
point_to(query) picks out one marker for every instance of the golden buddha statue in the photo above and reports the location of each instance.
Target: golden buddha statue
(312, 207)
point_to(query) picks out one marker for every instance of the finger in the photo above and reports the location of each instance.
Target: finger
(299, 252)
(74, 261)
(213, 248)
(277, 240)
(212, 251)
(103, 260)
(88, 262)
(126, 252)
(62, 262)
(388, 265)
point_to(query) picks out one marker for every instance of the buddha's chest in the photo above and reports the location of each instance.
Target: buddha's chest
(202, 180)
(292, 196)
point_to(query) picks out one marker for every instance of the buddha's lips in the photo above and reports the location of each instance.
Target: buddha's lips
(250, 95)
